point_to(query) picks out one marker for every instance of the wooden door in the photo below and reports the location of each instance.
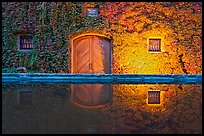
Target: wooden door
(91, 54)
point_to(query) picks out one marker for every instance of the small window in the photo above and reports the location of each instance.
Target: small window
(92, 12)
(26, 42)
(154, 45)
(154, 97)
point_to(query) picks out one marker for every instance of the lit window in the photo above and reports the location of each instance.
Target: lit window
(92, 12)
(154, 45)
(25, 42)
(153, 97)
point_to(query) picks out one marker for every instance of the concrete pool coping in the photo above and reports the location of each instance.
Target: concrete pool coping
(27, 78)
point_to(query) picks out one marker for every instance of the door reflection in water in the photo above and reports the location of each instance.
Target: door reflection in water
(91, 95)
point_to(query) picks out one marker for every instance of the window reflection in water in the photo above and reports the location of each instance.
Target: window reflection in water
(24, 96)
(154, 97)
(91, 95)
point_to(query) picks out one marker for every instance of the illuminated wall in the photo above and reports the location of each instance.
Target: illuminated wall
(177, 24)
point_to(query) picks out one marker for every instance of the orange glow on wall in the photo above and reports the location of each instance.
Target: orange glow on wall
(140, 21)
(136, 96)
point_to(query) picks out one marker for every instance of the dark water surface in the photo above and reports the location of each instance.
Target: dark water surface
(101, 109)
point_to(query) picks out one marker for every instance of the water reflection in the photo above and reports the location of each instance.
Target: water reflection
(124, 108)
(91, 95)
(154, 97)
(24, 96)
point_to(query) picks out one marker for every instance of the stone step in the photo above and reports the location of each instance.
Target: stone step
(26, 78)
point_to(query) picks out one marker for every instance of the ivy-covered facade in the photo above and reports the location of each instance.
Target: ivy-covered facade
(129, 25)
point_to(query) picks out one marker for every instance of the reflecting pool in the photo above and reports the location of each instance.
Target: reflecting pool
(101, 109)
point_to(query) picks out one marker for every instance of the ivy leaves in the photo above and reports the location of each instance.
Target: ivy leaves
(130, 24)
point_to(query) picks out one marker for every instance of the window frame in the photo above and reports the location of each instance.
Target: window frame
(92, 9)
(148, 45)
(19, 43)
(154, 103)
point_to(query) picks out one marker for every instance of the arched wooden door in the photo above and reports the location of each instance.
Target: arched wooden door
(91, 54)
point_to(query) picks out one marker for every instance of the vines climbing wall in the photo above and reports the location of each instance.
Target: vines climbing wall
(129, 24)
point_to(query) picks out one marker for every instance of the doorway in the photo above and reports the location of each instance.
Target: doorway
(91, 54)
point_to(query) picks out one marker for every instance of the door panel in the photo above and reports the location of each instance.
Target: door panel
(101, 55)
(97, 63)
(81, 55)
(92, 54)
(107, 55)
(97, 56)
